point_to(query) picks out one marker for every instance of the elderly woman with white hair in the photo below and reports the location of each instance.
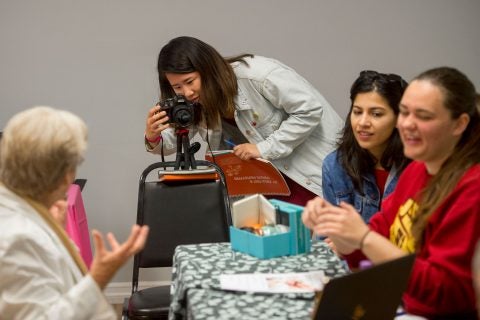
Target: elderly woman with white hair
(42, 275)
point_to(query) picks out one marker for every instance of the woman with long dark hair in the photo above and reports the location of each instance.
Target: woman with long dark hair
(258, 104)
(365, 167)
(434, 210)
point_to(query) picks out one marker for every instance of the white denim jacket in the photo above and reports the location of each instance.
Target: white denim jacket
(284, 115)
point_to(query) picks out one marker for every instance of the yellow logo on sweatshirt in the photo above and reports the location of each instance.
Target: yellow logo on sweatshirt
(401, 229)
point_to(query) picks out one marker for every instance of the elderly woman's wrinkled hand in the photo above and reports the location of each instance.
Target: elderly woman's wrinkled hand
(106, 263)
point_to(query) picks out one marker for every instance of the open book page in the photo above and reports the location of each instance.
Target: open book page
(245, 177)
(274, 282)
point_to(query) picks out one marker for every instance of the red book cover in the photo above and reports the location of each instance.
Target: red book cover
(245, 177)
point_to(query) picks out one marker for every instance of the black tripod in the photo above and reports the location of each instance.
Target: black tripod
(186, 159)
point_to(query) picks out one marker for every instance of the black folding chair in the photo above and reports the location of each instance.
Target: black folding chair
(177, 213)
(81, 183)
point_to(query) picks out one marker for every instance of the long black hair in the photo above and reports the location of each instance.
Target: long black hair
(357, 161)
(218, 81)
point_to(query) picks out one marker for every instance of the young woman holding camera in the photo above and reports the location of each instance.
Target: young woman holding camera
(258, 104)
(434, 210)
(365, 167)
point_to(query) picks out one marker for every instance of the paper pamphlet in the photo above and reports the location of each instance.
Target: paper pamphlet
(246, 177)
(274, 282)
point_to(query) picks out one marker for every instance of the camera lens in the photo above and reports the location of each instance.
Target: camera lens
(183, 116)
(180, 111)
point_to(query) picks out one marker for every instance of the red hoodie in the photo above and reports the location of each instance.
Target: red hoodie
(441, 281)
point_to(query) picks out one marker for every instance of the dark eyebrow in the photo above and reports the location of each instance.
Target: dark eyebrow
(374, 108)
(377, 108)
(190, 78)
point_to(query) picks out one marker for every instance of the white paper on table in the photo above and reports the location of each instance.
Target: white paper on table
(274, 282)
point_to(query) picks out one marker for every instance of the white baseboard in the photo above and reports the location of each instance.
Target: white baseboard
(116, 292)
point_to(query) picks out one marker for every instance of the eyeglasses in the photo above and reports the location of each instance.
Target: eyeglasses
(390, 77)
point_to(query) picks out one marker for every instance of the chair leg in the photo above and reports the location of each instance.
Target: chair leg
(125, 309)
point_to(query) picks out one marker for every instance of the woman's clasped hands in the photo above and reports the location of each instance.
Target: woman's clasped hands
(342, 224)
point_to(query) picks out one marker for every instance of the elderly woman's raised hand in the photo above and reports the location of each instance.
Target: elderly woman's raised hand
(106, 263)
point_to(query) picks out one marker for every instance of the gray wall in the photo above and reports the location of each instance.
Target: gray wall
(97, 58)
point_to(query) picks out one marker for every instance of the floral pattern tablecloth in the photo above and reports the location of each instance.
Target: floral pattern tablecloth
(196, 286)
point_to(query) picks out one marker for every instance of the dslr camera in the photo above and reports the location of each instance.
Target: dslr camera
(180, 111)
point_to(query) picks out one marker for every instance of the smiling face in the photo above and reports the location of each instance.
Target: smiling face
(373, 122)
(426, 127)
(186, 84)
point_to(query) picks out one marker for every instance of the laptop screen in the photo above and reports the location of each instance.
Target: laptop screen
(373, 293)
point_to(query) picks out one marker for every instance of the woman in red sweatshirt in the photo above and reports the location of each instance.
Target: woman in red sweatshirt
(435, 208)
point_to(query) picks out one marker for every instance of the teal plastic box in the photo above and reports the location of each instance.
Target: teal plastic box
(258, 210)
(263, 247)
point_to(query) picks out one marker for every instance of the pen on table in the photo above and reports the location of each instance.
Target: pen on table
(229, 143)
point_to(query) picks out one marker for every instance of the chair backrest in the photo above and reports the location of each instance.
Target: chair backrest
(81, 183)
(179, 213)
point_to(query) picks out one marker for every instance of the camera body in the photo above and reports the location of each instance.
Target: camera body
(180, 111)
